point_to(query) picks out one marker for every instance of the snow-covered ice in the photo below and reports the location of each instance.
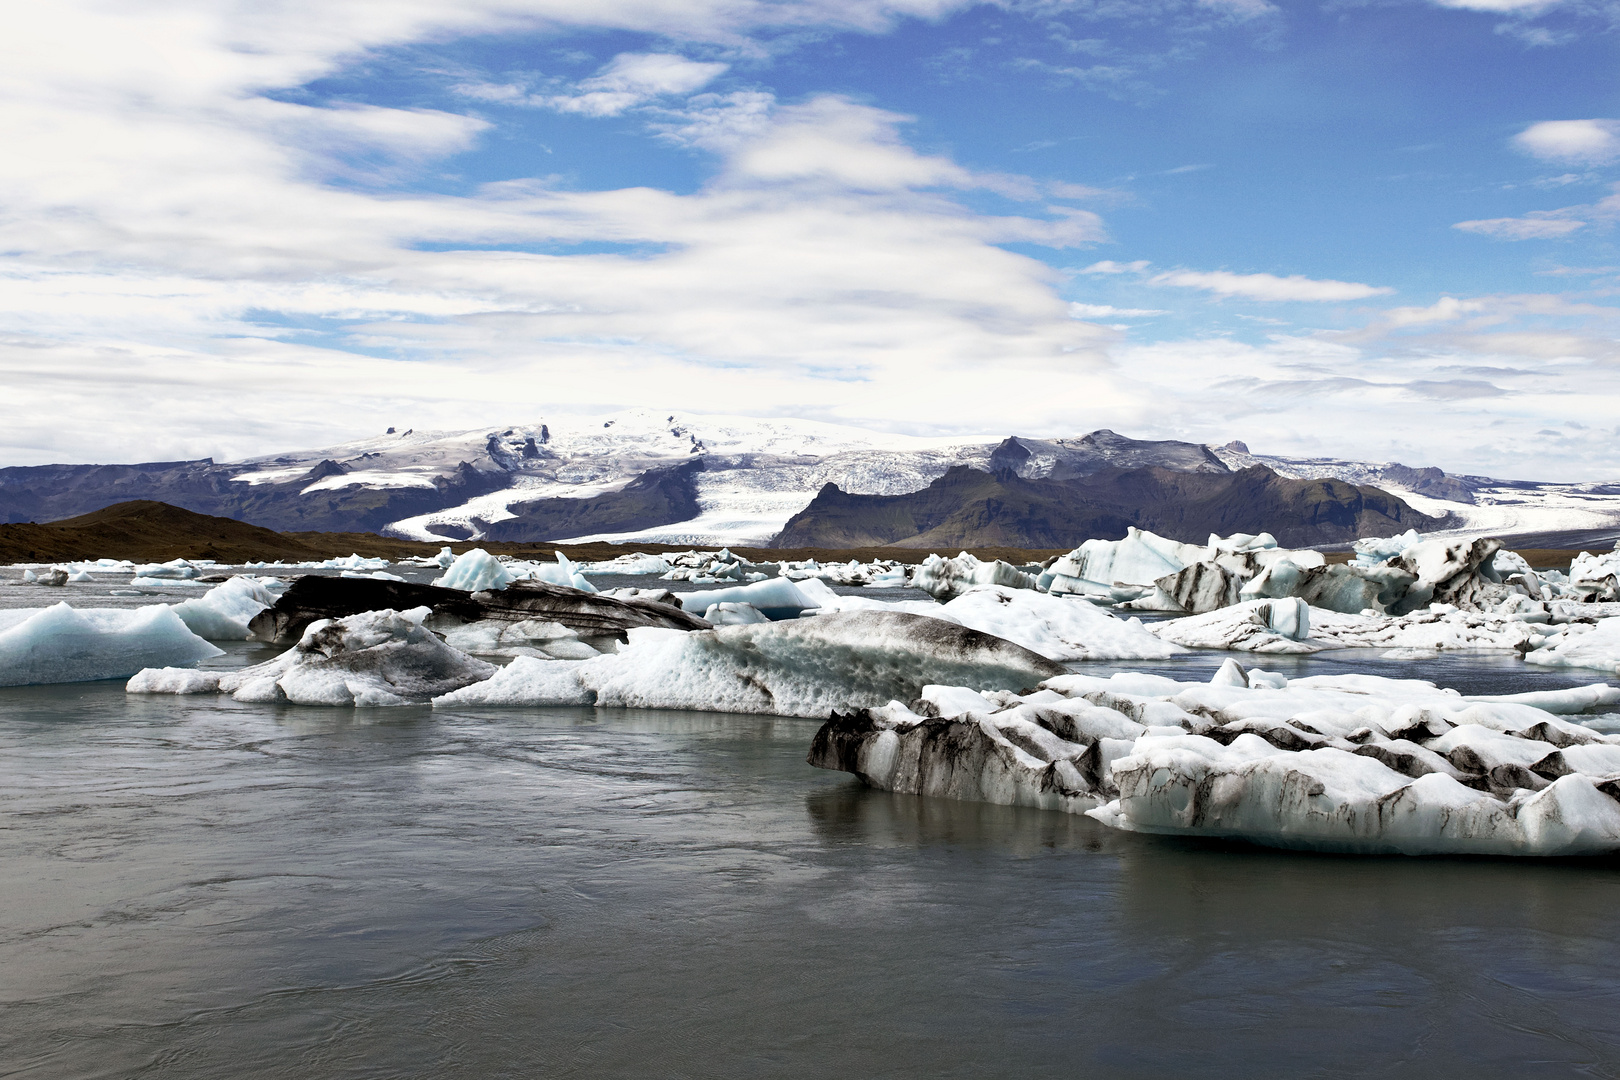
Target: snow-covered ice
(61, 645)
(476, 570)
(778, 598)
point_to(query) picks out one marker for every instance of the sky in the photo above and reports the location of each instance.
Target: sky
(1369, 229)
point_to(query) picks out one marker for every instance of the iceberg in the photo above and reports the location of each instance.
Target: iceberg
(1264, 626)
(223, 612)
(476, 570)
(1596, 577)
(635, 563)
(1438, 628)
(1057, 628)
(945, 579)
(1349, 763)
(1119, 569)
(777, 598)
(174, 570)
(803, 667)
(61, 645)
(1579, 645)
(373, 659)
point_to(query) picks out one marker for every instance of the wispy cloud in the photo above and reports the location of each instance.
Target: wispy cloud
(1295, 287)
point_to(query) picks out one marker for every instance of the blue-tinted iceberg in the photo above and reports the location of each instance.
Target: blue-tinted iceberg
(61, 645)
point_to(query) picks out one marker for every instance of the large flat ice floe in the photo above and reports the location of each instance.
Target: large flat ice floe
(60, 645)
(376, 658)
(1580, 645)
(804, 667)
(1343, 763)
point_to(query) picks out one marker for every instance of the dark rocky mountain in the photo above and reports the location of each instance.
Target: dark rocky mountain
(55, 492)
(970, 508)
(656, 497)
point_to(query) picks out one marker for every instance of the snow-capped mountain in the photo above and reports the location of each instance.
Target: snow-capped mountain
(647, 476)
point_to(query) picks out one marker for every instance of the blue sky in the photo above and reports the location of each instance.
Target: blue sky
(1377, 230)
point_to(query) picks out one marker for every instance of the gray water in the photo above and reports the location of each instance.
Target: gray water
(198, 888)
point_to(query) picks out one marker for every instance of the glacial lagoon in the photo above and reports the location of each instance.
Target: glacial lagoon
(198, 888)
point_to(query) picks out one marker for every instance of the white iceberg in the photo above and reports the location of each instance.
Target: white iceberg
(61, 645)
(778, 598)
(223, 612)
(1438, 628)
(1263, 626)
(376, 658)
(174, 570)
(635, 563)
(1579, 645)
(476, 570)
(1057, 628)
(802, 667)
(731, 614)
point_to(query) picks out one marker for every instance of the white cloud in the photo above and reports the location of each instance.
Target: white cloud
(632, 79)
(1500, 7)
(1108, 311)
(1530, 227)
(172, 238)
(1591, 142)
(1109, 266)
(1295, 287)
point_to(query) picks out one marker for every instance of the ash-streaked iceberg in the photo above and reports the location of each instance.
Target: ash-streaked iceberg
(945, 579)
(804, 667)
(376, 658)
(1262, 626)
(1349, 763)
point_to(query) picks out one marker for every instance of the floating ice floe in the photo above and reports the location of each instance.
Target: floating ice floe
(1057, 628)
(1343, 763)
(351, 562)
(375, 575)
(378, 658)
(945, 579)
(708, 567)
(55, 576)
(803, 667)
(1579, 645)
(479, 571)
(223, 612)
(852, 573)
(1438, 628)
(778, 598)
(173, 570)
(1262, 626)
(635, 563)
(61, 645)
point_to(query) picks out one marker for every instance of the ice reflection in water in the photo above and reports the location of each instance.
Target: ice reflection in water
(199, 888)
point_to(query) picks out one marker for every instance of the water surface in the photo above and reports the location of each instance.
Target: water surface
(199, 888)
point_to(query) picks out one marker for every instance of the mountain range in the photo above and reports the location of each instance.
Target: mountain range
(639, 476)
